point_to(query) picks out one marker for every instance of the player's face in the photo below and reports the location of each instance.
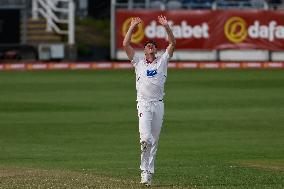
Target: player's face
(150, 48)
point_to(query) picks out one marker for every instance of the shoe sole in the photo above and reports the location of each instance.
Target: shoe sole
(145, 183)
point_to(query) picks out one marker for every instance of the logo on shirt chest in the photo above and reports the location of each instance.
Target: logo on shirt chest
(151, 73)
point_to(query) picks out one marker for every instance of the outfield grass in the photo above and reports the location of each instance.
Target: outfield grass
(78, 129)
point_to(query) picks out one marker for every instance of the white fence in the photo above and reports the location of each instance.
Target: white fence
(56, 13)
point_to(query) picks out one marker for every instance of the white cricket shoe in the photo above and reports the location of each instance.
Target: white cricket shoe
(143, 177)
(146, 178)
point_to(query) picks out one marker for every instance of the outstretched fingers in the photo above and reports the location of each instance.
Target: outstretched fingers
(162, 20)
(135, 21)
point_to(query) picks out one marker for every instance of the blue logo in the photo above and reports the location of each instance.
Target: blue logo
(151, 73)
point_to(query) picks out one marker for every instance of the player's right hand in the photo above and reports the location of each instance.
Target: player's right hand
(135, 21)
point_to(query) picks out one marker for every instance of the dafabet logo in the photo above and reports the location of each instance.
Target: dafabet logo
(138, 36)
(237, 30)
(154, 30)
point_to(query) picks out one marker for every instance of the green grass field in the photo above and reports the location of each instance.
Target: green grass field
(79, 129)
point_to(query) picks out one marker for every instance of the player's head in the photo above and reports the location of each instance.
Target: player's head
(150, 47)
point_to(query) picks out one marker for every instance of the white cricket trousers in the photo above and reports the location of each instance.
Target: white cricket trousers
(150, 116)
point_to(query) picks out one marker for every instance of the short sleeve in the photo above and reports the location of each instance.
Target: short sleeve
(165, 56)
(135, 60)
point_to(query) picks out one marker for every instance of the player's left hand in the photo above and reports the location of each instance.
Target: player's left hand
(162, 20)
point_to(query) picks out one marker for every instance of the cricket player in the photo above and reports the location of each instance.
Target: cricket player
(151, 74)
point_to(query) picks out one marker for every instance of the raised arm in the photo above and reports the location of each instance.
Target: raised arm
(172, 41)
(127, 39)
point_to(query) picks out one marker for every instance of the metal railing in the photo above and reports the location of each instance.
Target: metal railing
(224, 4)
(191, 4)
(13, 2)
(56, 12)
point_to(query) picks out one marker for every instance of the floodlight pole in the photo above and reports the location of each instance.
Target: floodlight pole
(71, 23)
(34, 9)
(112, 31)
(130, 4)
(147, 4)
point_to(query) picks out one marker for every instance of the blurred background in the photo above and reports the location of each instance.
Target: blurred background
(54, 30)
(91, 30)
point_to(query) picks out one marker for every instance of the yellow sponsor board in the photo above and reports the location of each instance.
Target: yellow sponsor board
(236, 29)
(137, 36)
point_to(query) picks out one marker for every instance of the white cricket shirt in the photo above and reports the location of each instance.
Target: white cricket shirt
(150, 77)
